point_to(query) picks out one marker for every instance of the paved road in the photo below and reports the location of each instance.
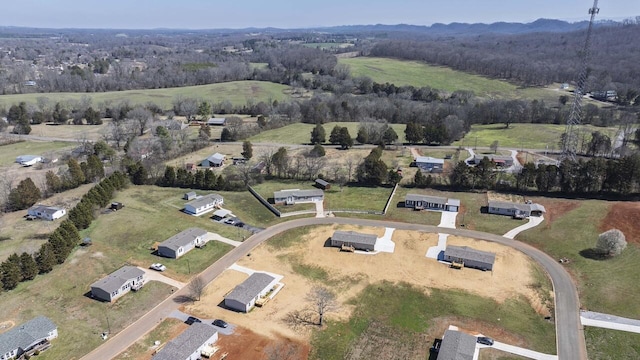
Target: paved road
(569, 333)
(590, 318)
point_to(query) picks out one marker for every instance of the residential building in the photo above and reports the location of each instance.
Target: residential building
(181, 243)
(118, 283)
(430, 164)
(471, 258)
(457, 345)
(514, 209)
(421, 202)
(34, 335)
(28, 160)
(359, 241)
(203, 205)
(189, 344)
(214, 121)
(238, 160)
(244, 296)
(499, 160)
(294, 196)
(215, 160)
(46, 212)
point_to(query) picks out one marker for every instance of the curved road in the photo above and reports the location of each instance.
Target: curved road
(569, 333)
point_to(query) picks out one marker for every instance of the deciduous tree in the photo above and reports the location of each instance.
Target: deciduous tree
(611, 243)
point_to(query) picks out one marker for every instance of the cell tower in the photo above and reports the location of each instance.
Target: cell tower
(570, 141)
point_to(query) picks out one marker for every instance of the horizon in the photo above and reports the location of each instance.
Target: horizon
(204, 15)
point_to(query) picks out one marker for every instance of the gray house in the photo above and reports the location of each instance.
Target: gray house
(34, 335)
(189, 344)
(514, 209)
(244, 296)
(203, 205)
(420, 202)
(366, 242)
(427, 163)
(118, 283)
(471, 258)
(215, 160)
(293, 196)
(457, 345)
(181, 243)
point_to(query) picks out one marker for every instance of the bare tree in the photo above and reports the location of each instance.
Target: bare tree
(196, 288)
(323, 301)
(352, 164)
(141, 117)
(611, 243)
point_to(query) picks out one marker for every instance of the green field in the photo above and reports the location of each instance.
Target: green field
(8, 153)
(611, 344)
(402, 320)
(418, 74)
(237, 92)
(300, 133)
(525, 136)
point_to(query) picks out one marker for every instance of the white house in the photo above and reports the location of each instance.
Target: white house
(244, 296)
(203, 205)
(46, 212)
(215, 160)
(190, 344)
(181, 243)
(294, 196)
(34, 335)
(430, 164)
(118, 283)
(28, 160)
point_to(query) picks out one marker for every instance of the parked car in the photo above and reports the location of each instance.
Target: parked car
(220, 323)
(485, 340)
(158, 267)
(229, 221)
(239, 224)
(191, 320)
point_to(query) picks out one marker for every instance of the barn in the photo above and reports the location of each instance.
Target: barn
(471, 258)
(359, 241)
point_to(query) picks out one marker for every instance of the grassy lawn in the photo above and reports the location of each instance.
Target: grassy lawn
(238, 92)
(8, 153)
(144, 347)
(397, 213)
(267, 188)
(611, 344)
(406, 319)
(527, 136)
(300, 133)
(356, 198)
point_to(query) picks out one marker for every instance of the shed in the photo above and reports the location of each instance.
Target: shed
(244, 296)
(215, 160)
(189, 344)
(181, 243)
(322, 184)
(215, 121)
(471, 258)
(457, 345)
(366, 242)
(190, 195)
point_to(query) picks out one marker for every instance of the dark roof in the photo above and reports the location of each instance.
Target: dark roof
(207, 199)
(354, 237)
(115, 280)
(250, 288)
(183, 238)
(26, 334)
(322, 182)
(457, 345)
(297, 193)
(517, 206)
(186, 343)
(468, 253)
(429, 199)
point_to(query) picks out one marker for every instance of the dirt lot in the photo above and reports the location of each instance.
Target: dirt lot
(349, 273)
(246, 344)
(624, 216)
(556, 208)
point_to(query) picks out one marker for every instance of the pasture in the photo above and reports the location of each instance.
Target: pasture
(237, 92)
(300, 133)
(9, 152)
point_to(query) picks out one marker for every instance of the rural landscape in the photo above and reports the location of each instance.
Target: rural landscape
(461, 191)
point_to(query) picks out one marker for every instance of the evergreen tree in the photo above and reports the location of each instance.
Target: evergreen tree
(169, 178)
(10, 274)
(210, 180)
(317, 151)
(46, 258)
(28, 266)
(198, 180)
(345, 139)
(76, 175)
(414, 133)
(334, 137)
(390, 136)
(24, 195)
(247, 150)
(393, 177)
(54, 184)
(318, 135)
(363, 135)
(60, 114)
(95, 169)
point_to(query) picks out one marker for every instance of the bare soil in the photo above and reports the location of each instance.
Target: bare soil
(556, 208)
(348, 274)
(246, 344)
(494, 196)
(623, 216)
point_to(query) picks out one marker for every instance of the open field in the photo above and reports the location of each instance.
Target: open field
(527, 136)
(300, 255)
(419, 74)
(611, 344)
(8, 153)
(300, 133)
(237, 92)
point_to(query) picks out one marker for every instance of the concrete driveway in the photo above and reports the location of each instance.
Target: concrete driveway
(533, 222)
(595, 319)
(519, 351)
(157, 276)
(448, 219)
(215, 237)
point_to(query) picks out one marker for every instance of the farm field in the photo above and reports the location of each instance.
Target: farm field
(300, 255)
(300, 133)
(419, 74)
(237, 92)
(8, 153)
(524, 136)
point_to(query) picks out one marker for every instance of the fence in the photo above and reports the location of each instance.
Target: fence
(264, 201)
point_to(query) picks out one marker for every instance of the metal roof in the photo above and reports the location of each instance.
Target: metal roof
(45, 209)
(26, 334)
(457, 345)
(322, 182)
(216, 158)
(250, 288)
(205, 200)
(216, 121)
(467, 253)
(221, 213)
(354, 237)
(183, 238)
(115, 280)
(429, 160)
(26, 158)
(186, 343)
(297, 193)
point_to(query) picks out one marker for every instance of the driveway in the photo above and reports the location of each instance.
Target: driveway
(153, 275)
(533, 222)
(177, 314)
(569, 334)
(215, 237)
(520, 351)
(319, 209)
(448, 219)
(590, 318)
(384, 243)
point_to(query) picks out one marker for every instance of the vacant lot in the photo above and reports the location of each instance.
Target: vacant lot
(300, 133)
(8, 153)
(300, 255)
(237, 92)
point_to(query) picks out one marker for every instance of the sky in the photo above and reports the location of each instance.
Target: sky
(216, 14)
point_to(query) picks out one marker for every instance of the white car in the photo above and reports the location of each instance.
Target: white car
(158, 267)
(229, 221)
